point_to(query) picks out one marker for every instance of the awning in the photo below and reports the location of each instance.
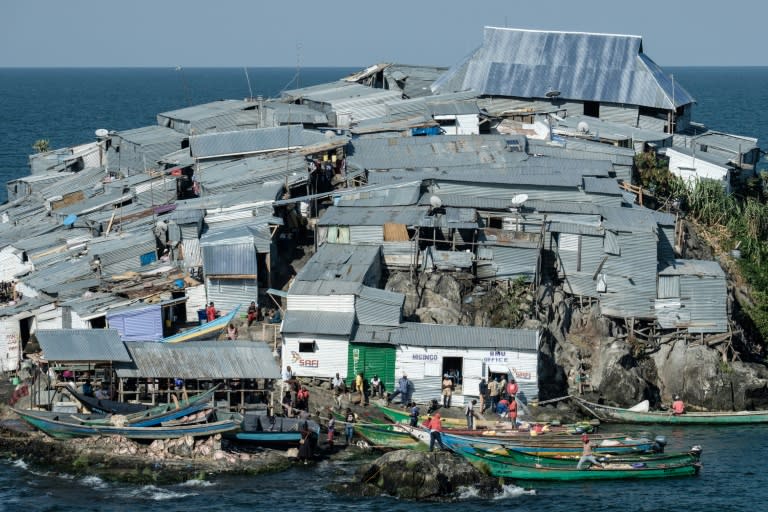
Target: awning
(498, 368)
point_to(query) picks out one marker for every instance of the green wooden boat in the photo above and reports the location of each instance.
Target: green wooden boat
(619, 415)
(403, 416)
(649, 459)
(382, 435)
(502, 466)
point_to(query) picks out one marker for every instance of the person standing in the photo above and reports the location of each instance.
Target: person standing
(503, 387)
(447, 390)
(349, 422)
(414, 415)
(210, 312)
(360, 387)
(483, 388)
(493, 392)
(404, 388)
(469, 412)
(338, 392)
(287, 380)
(435, 428)
(586, 453)
(513, 411)
(512, 388)
(331, 429)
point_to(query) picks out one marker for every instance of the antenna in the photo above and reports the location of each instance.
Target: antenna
(298, 65)
(248, 79)
(184, 86)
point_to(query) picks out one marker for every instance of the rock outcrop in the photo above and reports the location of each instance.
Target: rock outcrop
(418, 475)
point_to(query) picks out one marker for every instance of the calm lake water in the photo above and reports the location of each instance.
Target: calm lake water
(66, 106)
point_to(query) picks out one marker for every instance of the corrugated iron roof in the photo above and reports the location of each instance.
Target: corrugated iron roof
(608, 186)
(204, 110)
(399, 194)
(244, 142)
(82, 345)
(449, 336)
(318, 322)
(372, 216)
(340, 262)
(202, 360)
(607, 130)
(578, 66)
(693, 267)
(151, 135)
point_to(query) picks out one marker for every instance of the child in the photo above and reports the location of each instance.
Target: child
(331, 427)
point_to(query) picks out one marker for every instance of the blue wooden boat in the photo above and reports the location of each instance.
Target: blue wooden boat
(159, 414)
(68, 426)
(258, 429)
(536, 446)
(207, 331)
(103, 406)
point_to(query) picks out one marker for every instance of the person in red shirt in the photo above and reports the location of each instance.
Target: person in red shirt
(210, 312)
(435, 427)
(513, 411)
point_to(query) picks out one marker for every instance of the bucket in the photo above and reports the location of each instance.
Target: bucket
(15, 380)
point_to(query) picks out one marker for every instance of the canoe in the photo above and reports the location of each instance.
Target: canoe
(403, 416)
(535, 447)
(501, 466)
(258, 429)
(649, 459)
(161, 413)
(100, 406)
(69, 426)
(207, 331)
(619, 415)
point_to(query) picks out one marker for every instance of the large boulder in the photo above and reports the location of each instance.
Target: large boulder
(418, 475)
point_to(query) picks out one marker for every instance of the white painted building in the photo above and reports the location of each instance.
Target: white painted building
(693, 167)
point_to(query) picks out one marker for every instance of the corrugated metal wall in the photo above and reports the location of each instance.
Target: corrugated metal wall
(230, 259)
(398, 253)
(513, 262)
(193, 255)
(669, 287)
(10, 344)
(10, 264)
(195, 300)
(329, 357)
(373, 312)
(631, 277)
(706, 303)
(229, 293)
(505, 192)
(338, 303)
(145, 324)
(50, 319)
(358, 234)
(620, 114)
(372, 360)
(651, 123)
(669, 313)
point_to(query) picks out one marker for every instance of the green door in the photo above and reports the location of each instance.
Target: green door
(372, 360)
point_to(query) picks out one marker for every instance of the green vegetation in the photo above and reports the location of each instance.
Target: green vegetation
(42, 145)
(736, 221)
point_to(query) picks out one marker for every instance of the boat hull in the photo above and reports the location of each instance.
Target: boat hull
(619, 415)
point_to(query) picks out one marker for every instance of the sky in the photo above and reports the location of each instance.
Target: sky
(357, 33)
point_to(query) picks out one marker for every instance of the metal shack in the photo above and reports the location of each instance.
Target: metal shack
(426, 352)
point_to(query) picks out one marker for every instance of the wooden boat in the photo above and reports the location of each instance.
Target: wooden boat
(504, 466)
(258, 429)
(69, 426)
(403, 416)
(101, 406)
(379, 435)
(160, 413)
(536, 447)
(207, 331)
(619, 415)
(649, 459)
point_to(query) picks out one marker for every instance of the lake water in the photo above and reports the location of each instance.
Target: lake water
(66, 106)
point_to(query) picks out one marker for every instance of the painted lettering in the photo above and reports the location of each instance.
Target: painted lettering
(425, 357)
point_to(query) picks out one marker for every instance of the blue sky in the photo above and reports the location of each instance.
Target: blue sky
(357, 33)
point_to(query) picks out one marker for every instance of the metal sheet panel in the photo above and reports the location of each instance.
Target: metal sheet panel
(338, 303)
(195, 300)
(82, 345)
(10, 344)
(193, 255)
(230, 259)
(706, 303)
(625, 114)
(669, 287)
(366, 234)
(666, 243)
(514, 262)
(329, 355)
(230, 293)
(144, 324)
(372, 360)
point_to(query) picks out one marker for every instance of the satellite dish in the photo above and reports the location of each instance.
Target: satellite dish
(519, 199)
(436, 202)
(70, 219)
(101, 133)
(583, 127)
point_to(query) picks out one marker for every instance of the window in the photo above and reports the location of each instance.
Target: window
(307, 346)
